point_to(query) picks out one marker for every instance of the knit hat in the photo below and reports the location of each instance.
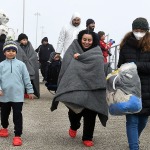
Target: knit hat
(101, 33)
(140, 23)
(44, 39)
(89, 21)
(10, 45)
(22, 36)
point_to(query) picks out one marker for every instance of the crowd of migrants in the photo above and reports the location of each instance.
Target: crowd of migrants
(76, 71)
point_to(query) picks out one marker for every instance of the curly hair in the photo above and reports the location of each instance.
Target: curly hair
(94, 36)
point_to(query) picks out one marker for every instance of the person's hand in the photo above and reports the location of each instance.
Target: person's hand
(76, 55)
(1, 93)
(31, 96)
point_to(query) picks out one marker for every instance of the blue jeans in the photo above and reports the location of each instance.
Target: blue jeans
(134, 126)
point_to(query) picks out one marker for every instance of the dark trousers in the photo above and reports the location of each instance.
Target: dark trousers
(44, 69)
(17, 116)
(89, 118)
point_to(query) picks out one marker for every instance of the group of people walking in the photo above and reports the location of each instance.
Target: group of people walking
(81, 84)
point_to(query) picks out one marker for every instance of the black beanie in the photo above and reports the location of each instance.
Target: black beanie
(140, 23)
(22, 36)
(89, 21)
(44, 39)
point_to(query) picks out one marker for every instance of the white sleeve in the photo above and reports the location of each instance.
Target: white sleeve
(61, 40)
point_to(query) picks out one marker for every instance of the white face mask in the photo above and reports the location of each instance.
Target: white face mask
(138, 35)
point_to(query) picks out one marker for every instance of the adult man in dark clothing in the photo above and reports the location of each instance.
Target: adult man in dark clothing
(2, 56)
(2, 41)
(90, 24)
(44, 52)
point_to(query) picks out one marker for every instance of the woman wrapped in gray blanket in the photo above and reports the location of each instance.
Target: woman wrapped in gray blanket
(82, 86)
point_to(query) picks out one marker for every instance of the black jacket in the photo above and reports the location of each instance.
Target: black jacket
(44, 52)
(2, 56)
(131, 53)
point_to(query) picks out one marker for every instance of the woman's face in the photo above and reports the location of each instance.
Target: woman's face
(87, 41)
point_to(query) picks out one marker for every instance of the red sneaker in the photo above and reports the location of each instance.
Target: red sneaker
(17, 141)
(72, 133)
(88, 143)
(4, 133)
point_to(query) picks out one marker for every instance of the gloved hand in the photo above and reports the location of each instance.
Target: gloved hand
(111, 41)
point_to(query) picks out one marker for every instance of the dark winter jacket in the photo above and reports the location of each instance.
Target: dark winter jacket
(44, 52)
(2, 41)
(131, 53)
(2, 56)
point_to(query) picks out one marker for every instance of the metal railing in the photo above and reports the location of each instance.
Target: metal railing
(113, 59)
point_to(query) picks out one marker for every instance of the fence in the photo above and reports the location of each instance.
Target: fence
(113, 59)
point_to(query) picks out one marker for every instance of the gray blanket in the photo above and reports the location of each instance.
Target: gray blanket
(29, 57)
(82, 82)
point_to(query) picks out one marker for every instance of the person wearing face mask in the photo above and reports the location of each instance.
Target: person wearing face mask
(135, 47)
(82, 86)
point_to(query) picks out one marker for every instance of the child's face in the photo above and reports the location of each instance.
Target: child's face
(103, 37)
(56, 57)
(10, 54)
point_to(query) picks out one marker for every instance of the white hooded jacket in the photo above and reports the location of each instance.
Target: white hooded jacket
(67, 35)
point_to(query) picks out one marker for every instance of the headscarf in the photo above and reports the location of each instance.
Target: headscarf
(75, 15)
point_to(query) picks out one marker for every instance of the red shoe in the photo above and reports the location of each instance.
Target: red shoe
(17, 141)
(72, 133)
(88, 143)
(26, 96)
(4, 133)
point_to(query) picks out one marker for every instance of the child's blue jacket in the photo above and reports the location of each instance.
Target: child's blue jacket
(14, 79)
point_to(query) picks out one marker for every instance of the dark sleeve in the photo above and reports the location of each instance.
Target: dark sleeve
(40, 53)
(52, 48)
(37, 50)
(121, 58)
(143, 67)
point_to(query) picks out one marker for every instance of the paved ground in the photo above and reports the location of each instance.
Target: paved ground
(46, 130)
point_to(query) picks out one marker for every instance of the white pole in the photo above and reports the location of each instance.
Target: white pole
(37, 15)
(23, 15)
(42, 31)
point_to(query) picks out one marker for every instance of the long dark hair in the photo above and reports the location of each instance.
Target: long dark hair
(94, 35)
(144, 43)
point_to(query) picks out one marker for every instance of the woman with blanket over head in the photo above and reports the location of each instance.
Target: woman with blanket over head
(82, 85)
(27, 54)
